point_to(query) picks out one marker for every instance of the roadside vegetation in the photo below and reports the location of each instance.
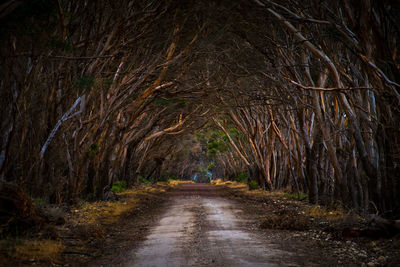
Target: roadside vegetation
(352, 239)
(97, 97)
(77, 230)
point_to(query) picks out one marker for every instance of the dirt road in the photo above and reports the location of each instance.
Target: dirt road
(199, 228)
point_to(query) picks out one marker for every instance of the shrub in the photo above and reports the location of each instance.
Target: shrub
(211, 166)
(144, 180)
(242, 177)
(253, 185)
(163, 177)
(119, 186)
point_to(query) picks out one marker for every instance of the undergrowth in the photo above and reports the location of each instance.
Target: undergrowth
(331, 214)
(242, 178)
(293, 214)
(119, 186)
(26, 250)
(253, 185)
(87, 220)
(295, 196)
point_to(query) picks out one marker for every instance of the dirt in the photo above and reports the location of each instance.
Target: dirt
(201, 229)
(209, 225)
(325, 235)
(116, 237)
(205, 225)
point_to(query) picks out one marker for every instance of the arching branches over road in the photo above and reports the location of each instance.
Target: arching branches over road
(300, 94)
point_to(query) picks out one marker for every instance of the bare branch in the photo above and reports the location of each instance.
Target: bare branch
(332, 89)
(65, 117)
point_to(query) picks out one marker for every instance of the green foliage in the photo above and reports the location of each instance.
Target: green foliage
(211, 166)
(83, 83)
(119, 186)
(144, 180)
(294, 195)
(242, 178)
(253, 185)
(216, 135)
(233, 133)
(212, 153)
(164, 177)
(215, 146)
(203, 171)
(173, 177)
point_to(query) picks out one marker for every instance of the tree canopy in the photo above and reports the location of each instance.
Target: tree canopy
(299, 94)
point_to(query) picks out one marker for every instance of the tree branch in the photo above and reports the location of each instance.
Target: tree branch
(65, 117)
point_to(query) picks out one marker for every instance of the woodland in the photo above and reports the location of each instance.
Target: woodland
(287, 95)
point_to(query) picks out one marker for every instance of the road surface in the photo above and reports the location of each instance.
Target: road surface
(199, 228)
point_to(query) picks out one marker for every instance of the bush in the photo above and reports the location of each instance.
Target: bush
(253, 185)
(211, 166)
(119, 187)
(163, 178)
(242, 178)
(144, 180)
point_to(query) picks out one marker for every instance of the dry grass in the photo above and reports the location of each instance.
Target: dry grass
(92, 213)
(326, 213)
(282, 212)
(243, 187)
(230, 184)
(86, 221)
(177, 182)
(25, 250)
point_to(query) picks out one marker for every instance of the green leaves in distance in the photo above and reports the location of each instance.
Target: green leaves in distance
(211, 166)
(216, 143)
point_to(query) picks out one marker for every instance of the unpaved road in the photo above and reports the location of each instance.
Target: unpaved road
(199, 228)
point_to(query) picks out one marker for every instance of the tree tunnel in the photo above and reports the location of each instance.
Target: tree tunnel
(290, 94)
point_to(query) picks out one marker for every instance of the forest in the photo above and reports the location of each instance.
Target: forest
(302, 96)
